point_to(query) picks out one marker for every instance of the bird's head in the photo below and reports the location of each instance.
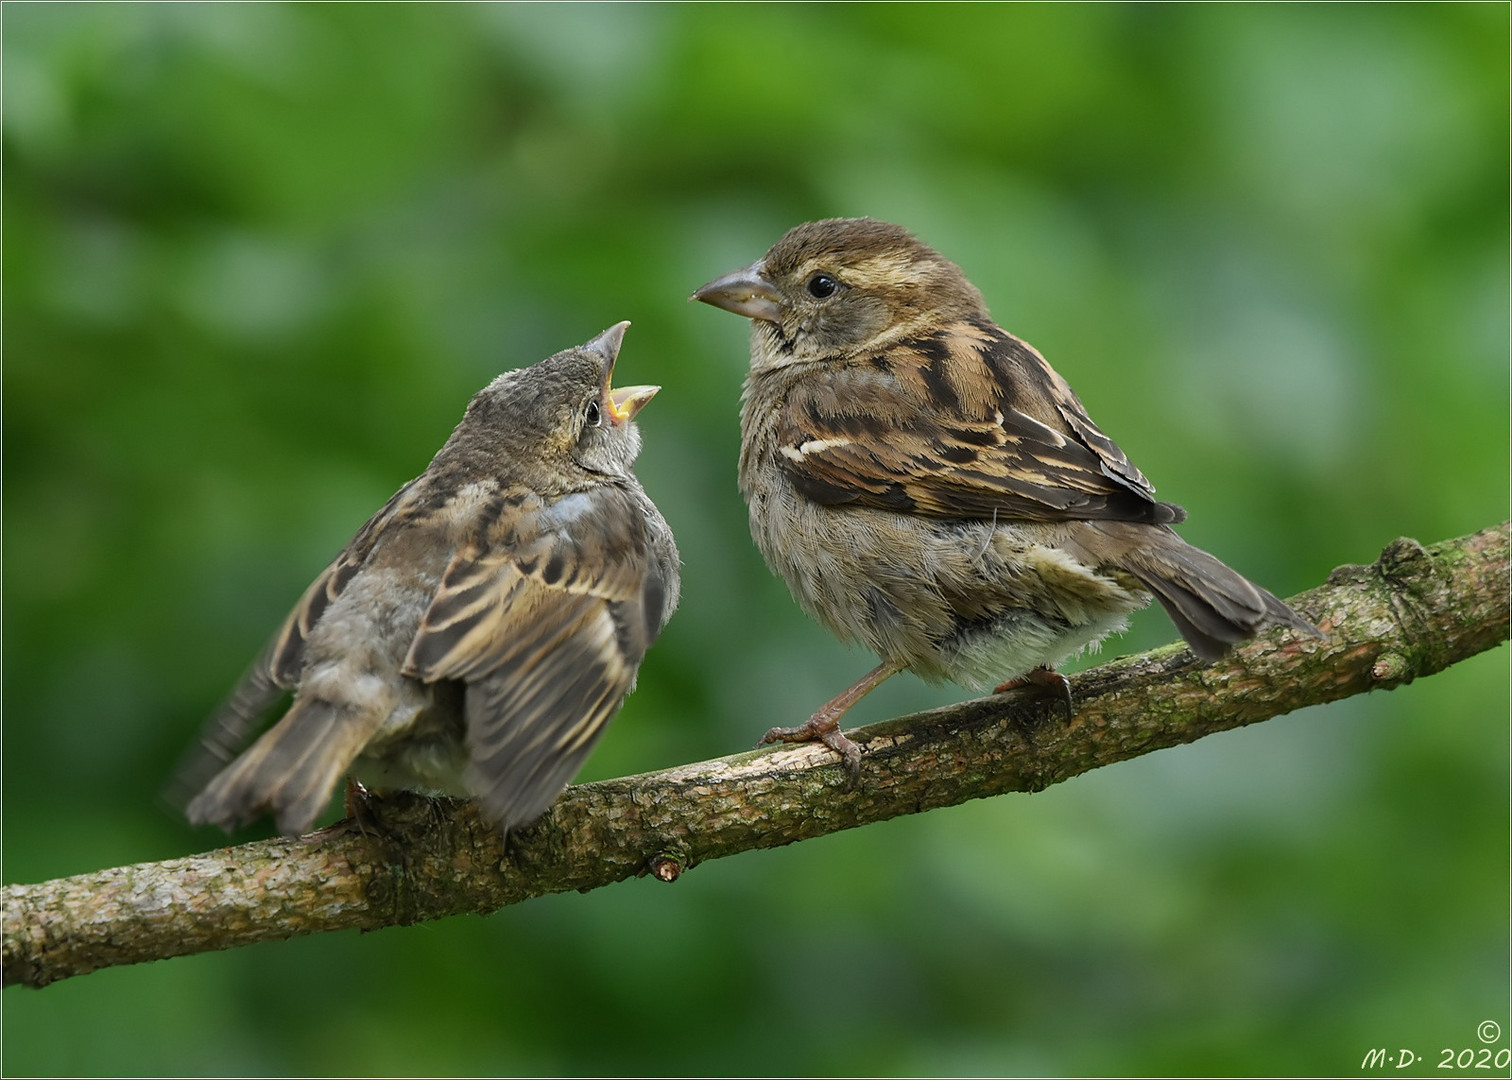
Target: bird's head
(560, 410)
(840, 287)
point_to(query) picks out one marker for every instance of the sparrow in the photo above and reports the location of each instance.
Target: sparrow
(479, 632)
(929, 486)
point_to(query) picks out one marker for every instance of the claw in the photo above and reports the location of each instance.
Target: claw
(1045, 678)
(825, 729)
(824, 725)
(358, 803)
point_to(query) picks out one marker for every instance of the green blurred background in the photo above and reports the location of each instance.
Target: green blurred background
(257, 258)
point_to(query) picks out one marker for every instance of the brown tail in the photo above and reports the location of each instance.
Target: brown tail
(291, 771)
(224, 735)
(1212, 606)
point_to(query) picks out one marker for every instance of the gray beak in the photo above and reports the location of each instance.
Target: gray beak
(608, 343)
(745, 292)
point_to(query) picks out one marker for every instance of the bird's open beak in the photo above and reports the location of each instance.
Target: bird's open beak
(625, 402)
(745, 292)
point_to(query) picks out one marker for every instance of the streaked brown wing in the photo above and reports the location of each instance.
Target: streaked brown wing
(546, 616)
(276, 669)
(974, 424)
(285, 653)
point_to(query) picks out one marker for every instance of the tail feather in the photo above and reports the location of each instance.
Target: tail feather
(291, 771)
(225, 734)
(1213, 606)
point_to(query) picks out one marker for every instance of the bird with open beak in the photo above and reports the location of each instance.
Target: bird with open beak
(478, 633)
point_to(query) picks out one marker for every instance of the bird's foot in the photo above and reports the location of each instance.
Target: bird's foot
(821, 727)
(1043, 678)
(824, 725)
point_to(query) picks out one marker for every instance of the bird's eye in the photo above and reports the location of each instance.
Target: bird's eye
(591, 415)
(822, 286)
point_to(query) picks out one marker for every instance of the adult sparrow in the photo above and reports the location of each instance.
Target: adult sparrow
(478, 633)
(929, 486)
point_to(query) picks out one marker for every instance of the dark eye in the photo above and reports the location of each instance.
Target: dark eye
(822, 286)
(591, 416)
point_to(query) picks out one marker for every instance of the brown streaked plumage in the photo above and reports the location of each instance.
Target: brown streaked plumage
(929, 486)
(479, 631)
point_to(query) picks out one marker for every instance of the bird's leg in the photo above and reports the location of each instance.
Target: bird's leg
(1045, 678)
(824, 725)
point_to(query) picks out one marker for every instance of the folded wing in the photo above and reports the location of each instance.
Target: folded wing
(979, 426)
(545, 616)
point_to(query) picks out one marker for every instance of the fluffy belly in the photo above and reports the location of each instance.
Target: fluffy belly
(974, 602)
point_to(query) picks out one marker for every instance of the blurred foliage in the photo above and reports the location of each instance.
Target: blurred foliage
(257, 257)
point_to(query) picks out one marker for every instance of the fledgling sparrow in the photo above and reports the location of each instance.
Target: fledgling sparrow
(929, 486)
(478, 633)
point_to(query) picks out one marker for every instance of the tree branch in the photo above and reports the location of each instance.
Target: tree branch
(1412, 613)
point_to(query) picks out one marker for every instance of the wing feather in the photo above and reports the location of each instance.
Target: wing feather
(277, 668)
(546, 618)
(975, 425)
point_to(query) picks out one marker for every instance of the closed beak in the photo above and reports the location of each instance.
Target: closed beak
(745, 292)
